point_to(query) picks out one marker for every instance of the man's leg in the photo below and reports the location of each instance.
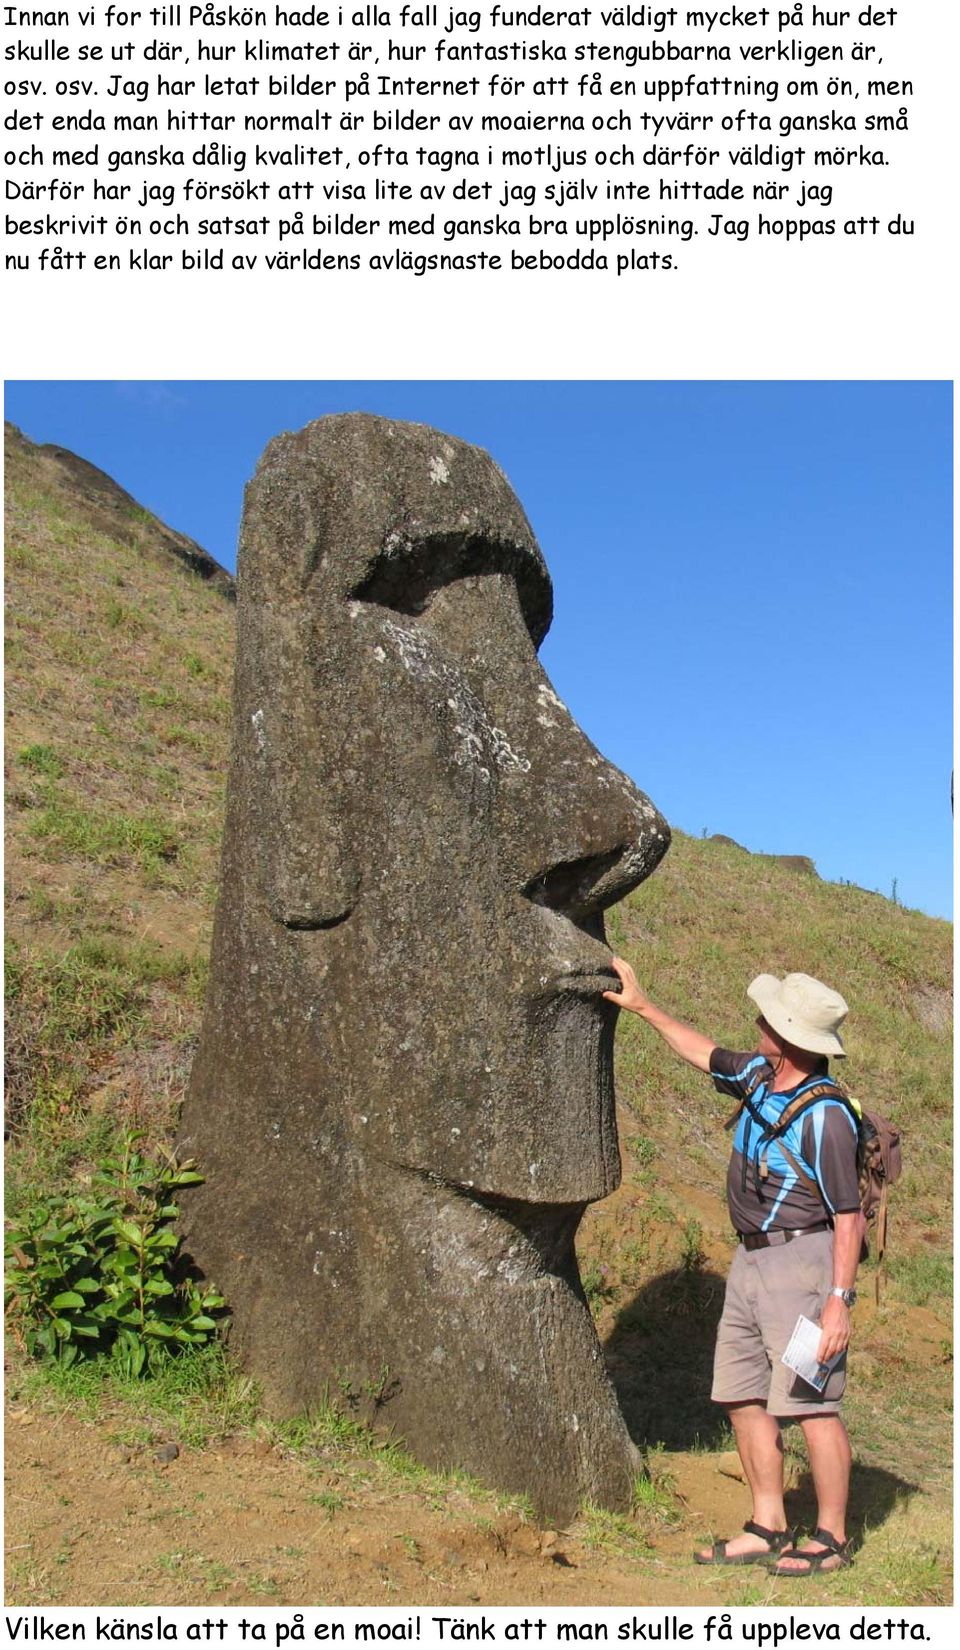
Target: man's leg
(760, 1448)
(830, 1455)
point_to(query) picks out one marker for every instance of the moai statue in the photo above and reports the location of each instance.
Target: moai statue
(403, 1097)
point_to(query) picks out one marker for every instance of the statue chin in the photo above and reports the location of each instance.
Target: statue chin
(493, 1277)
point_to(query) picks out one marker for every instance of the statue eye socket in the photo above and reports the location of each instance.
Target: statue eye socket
(414, 577)
(411, 582)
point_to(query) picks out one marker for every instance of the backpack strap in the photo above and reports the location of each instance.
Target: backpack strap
(881, 1235)
(811, 1185)
(746, 1101)
(805, 1099)
(802, 1103)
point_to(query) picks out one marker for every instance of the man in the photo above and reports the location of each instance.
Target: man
(796, 1207)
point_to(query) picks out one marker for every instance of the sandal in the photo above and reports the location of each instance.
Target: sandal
(777, 1541)
(832, 1548)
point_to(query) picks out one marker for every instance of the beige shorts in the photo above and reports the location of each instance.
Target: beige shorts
(766, 1291)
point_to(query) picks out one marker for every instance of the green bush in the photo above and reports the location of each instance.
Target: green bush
(96, 1275)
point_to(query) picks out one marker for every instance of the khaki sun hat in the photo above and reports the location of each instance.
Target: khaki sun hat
(803, 1010)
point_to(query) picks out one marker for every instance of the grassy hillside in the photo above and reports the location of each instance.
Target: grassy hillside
(119, 661)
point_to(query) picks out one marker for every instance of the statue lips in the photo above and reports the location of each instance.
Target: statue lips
(583, 984)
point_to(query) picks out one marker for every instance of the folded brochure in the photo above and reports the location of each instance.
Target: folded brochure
(801, 1354)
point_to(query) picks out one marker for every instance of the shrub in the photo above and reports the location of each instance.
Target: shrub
(96, 1274)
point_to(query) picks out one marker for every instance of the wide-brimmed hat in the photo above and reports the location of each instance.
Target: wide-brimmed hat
(803, 1010)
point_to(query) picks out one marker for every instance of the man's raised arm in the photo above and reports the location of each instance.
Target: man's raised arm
(691, 1045)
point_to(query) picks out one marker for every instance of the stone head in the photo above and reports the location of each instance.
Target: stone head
(433, 831)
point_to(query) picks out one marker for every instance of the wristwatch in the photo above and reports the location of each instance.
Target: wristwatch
(848, 1296)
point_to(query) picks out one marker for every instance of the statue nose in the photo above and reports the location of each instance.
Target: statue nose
(595, 835)
(579, 884)
(582, 886)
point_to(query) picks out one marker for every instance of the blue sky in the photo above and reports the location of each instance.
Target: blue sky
(752, 580)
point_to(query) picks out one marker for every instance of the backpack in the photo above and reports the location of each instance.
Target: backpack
(879, 1159)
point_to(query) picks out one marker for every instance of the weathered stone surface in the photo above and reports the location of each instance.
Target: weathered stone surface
(796, 862)
(792, 862)
(403, 1097)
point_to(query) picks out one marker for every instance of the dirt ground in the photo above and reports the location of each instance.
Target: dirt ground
(94, 1522)
(97, 1522)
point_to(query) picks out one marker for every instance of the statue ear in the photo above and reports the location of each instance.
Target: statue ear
(305, 870)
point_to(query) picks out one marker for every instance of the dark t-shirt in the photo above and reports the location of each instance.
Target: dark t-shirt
(823, 1140)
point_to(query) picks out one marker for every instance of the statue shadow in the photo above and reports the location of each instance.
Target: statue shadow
(659, 1355)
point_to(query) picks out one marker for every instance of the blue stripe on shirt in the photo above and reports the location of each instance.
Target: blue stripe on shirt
(723, 1077)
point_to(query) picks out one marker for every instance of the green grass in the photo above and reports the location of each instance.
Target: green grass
(119, 616)
(891, 1572)
(105, 838)
(327, 1431)
(200, 1395)
(195, 1568)
(615, 1534)
(158, 698)
(643, 1149)
(922, 1276)
(70, 1017)
(596, 1287)
(144, 517)
(654, 1500)
(43, 760)
(263, 1586)
(319, 1429)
